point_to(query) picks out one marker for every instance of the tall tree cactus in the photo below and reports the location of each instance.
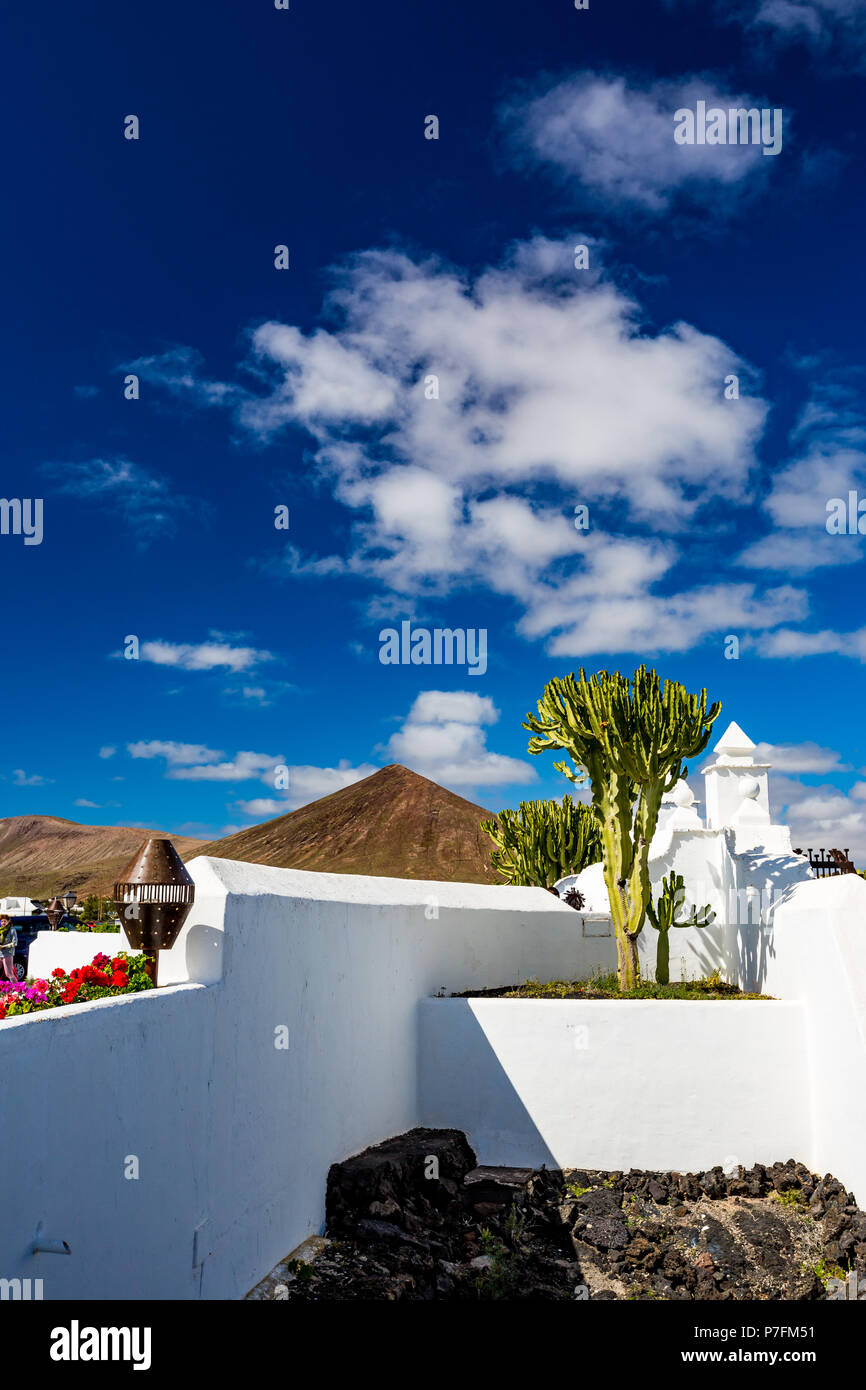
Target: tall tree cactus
(629, 738)
(543, 841)
(666, 914)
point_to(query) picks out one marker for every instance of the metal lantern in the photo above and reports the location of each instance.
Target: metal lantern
(153, 897)
(55, 911)
(69, 899)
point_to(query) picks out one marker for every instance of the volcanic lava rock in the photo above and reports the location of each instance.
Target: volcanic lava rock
(416, 1219)
(398, 1176)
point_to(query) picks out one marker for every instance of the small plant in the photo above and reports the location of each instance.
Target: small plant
(302, 1271)
(635, 1214)
(488, 1240)
(635, 1293)
(794, 1197)
(665, 914)
(515, 1223)
(574, 1189)
(574, 898)
(502, 1277)
(824, 1271)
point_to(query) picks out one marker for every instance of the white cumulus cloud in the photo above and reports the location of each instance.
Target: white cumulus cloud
(202, 656)
(616, 139)
(173, 752)
(443, 738)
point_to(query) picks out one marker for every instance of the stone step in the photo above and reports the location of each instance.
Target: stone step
(490, 1186)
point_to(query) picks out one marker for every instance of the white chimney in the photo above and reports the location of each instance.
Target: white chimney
(737, 794)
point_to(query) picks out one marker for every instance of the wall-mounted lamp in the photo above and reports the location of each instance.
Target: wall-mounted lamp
(153, 897)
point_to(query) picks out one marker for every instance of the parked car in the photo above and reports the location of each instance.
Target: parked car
(28, 928)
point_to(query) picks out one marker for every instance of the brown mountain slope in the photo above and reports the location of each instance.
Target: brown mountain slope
(394, 824)
(41, 855)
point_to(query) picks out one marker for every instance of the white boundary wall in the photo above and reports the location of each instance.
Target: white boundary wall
(69, 950)
(615, 1084)
(234, 1136)
(815, 951)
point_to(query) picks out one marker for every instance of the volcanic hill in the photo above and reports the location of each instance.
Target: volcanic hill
(394, 824)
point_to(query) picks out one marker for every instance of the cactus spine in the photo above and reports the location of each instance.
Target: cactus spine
(543, 841)
(665, 915)
(629, 738)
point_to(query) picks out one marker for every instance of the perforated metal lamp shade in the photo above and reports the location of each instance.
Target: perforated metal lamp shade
(153, 897)
(54, 912)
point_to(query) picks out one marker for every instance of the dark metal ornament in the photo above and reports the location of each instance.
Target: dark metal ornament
(153, 897)
(55, 912)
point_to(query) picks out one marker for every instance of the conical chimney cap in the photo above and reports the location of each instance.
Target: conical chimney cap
(734, 741)
(156, 862)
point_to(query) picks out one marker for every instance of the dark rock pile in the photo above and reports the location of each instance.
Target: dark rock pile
(416, 1218)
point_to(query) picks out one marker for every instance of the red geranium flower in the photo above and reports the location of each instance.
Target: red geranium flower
(119, 980)
(58, 974)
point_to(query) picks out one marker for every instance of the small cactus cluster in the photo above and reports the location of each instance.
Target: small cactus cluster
(667, 914)
(629, 738)
(543, 841)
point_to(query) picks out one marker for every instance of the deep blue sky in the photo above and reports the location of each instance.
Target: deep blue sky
(261, 127)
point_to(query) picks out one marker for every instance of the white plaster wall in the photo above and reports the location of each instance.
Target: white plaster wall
(617, 1084)
(68, 950)
(87, 1087)
(740, 888)
(233, 1135)
(816, 952)
(196, 956)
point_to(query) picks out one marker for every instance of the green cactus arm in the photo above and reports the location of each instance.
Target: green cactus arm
(663, 959)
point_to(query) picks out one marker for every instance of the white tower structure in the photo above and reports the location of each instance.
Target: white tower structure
(737, 795)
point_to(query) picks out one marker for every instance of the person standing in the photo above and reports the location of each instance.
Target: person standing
(8, 942)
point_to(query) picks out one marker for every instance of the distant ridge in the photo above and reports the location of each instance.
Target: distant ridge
(41, 855)
(393, 824)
